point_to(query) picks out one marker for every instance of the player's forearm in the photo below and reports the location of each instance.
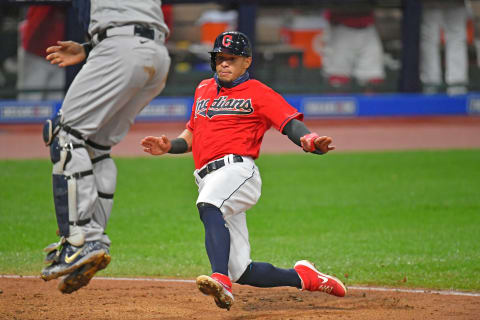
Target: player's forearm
(179, 145)
(182, 144)
(296, 129)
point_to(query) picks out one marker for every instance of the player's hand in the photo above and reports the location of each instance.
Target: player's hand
(156, 145)
(322, 144)
(312, 141)
(66, 53)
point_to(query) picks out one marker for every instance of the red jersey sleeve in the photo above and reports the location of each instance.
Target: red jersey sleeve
(276, 109)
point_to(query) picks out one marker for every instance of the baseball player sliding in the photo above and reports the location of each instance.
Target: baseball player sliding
(230, 116)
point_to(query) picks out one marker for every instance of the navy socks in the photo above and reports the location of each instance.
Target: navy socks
(217, 237)
(265, 275)
(217, 243)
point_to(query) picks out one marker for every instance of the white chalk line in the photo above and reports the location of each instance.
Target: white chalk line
(426, 291)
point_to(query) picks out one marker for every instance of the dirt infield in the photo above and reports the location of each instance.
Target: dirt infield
(32, 298)
(112, 299)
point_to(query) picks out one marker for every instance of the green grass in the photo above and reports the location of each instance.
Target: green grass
(402, 219)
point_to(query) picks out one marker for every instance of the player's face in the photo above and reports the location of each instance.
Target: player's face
(230, 67)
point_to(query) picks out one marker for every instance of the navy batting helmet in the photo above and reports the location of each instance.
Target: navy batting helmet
(231, 42)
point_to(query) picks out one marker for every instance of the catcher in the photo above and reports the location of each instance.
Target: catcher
(126, 67)
(230, 116)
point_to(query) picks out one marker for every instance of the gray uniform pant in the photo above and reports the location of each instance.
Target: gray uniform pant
(121, 76)
(452, 18)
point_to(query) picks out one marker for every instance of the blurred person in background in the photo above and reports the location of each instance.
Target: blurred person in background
(353, 48)
(37, 78)
(451, 18)
(474, 7)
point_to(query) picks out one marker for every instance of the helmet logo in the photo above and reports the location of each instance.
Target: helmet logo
(227, 40)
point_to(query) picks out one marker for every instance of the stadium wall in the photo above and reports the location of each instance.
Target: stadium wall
(313, 106)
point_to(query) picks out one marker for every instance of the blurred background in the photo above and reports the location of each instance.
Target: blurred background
(321, 47)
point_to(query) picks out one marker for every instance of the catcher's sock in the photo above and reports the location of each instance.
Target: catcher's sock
(265, 275)
(217, 237)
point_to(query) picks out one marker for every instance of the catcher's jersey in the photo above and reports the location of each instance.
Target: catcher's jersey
(114, 13)
(234, 120)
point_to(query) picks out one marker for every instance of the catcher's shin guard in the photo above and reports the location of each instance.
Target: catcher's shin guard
(65, 190)
(60, 199)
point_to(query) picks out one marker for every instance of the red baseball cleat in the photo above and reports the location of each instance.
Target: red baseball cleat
(313, 280)
(219, 287)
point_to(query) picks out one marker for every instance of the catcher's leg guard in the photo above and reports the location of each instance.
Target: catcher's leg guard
(65, 189)
(60, 199)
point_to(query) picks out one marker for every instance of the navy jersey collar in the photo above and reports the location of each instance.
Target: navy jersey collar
(244, 77)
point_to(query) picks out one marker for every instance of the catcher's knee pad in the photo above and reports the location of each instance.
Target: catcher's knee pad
(51, 128)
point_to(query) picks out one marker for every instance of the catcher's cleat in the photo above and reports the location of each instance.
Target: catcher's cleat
(313, 280)
(82, 276)
(71, 258)
(219, 287)
(51, 257)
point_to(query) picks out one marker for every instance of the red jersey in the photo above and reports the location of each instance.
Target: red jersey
(359, 19)
(43, 27)
(234, 120)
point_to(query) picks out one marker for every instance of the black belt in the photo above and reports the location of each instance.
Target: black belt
(138, 31)
(217, 164)
(79, 222)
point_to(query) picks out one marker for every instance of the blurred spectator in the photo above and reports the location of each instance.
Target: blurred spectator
(449, 17)
(42, 27)
(474, 7)
(353, 48)
(167, 10)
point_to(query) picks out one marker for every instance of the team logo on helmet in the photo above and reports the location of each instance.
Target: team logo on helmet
(227, 40)
(230, 42)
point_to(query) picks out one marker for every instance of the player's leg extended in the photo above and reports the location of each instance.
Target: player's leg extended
(234, 191)
(304, 276)
(74, 197)
(219, 203)
(217, 244)
(105, 173)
